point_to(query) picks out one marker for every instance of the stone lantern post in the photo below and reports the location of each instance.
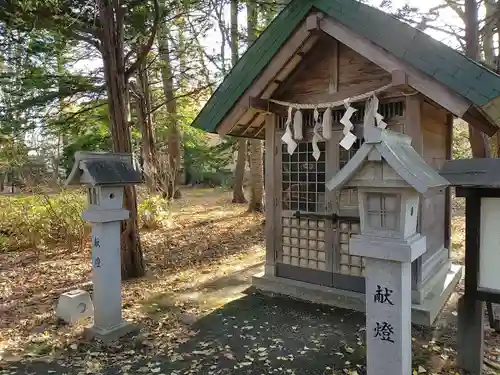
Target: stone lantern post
(105, 175)
(390, 177)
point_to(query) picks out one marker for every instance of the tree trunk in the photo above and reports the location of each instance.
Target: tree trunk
(234, 32)
(478, 140)
(111, 20)
(256, 162)
(488, 31)
(496, 25)
(61, 46)
(142, 102)
(239, 171)
(256, 177)
(173, 141)
(489, 54)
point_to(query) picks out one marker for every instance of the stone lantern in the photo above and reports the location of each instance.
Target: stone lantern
(390, 177)
(105, 175)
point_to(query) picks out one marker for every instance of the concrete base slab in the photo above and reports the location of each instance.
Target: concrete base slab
(438, 278)
(422, 314)
(428, 311)
(107, 335)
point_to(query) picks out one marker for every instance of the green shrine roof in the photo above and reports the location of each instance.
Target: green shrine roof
(464, 76)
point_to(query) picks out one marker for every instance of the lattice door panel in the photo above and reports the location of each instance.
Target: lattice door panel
(303, 179)
(303, 243)
(349, 264)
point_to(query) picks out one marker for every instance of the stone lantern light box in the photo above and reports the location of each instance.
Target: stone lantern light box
(105, 175)
(390, 177)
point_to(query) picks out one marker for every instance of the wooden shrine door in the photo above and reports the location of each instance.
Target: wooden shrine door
(313, 246)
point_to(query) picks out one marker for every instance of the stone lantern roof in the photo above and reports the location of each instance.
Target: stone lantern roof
(396, 150)
(103, 169)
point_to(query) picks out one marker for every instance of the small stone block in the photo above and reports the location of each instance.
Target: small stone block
(74, 306)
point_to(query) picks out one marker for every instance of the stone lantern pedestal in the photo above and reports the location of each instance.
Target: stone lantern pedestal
(106, 271)
(388, 301)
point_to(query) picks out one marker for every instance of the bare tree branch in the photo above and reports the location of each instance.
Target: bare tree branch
(147, 47)
(195, 91)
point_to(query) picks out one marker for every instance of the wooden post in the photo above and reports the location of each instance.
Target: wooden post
(447, 204)
(413, 128)
(470, 334)
(413, 122)
(471, 311)
(333, 68)
(270, 191)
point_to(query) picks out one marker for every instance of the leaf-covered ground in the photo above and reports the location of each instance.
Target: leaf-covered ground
(197, 312)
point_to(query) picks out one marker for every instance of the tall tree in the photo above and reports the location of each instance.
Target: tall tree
(256, 162)
(239, 171)
(468, 39)
(111, 16)
(173, 141)
(141, 95)
(478, 140)
(102, 27)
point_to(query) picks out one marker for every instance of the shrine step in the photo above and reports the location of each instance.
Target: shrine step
(422, 314)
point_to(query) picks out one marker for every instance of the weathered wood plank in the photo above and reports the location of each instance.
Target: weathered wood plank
(270, 72)
(312, 22)
(277, 179)
(355, 69)
(270, 191)
(441, 94)
(433, 211)
(413, 120)
(264, 105)
(478, 120)
(333, 84)
(329, 68)
(447, 208)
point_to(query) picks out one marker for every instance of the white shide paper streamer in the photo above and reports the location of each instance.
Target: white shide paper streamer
(288, 136)
(316, 136)
(349, 138)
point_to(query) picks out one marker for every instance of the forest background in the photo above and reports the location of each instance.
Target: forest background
(130, 76)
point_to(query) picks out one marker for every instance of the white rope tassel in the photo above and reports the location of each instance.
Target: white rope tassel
(378, 117)
(288, 136)
(332, 104)
(349, 138)
(316, 136)
(297, 126)
(369, 118)
(327, 124)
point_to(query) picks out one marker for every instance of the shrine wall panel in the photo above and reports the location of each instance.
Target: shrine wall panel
(356, 70)
(331, 67)
(434, 130)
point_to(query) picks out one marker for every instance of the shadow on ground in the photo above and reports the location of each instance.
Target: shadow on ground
(258, 334)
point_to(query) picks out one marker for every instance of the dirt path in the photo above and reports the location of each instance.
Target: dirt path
(197, 313)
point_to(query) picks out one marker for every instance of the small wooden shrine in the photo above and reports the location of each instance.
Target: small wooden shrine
(304, 86)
